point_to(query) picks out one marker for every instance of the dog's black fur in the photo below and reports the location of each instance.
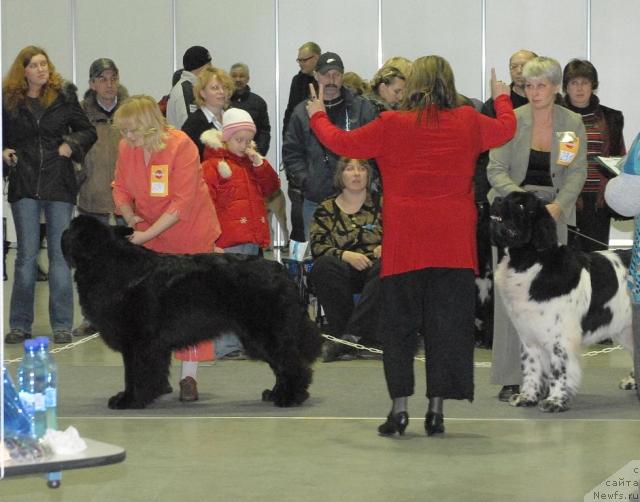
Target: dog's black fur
(557, 297)
(148, 304)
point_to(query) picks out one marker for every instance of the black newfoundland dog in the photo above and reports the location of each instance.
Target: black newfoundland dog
(557, 298)
(148, 304)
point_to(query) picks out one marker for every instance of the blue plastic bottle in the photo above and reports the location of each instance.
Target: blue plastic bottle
(31, 386)
(16, 420)
(51, 380)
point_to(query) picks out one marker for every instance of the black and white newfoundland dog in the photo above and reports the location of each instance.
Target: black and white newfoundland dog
(557, 298)
(148, 304)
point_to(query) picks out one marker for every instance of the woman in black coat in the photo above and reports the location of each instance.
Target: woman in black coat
(45, 131)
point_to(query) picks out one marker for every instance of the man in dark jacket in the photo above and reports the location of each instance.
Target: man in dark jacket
(250, 102)
(100, 102)
(309, 164)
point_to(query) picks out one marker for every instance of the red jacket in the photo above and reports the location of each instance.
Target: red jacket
(429, 212)
(238, 190)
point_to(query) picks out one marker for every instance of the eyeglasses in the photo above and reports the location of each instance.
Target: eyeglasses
(105, 80)
(304, 60)
(515, 66)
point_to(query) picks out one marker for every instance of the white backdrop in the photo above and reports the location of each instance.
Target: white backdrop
(146, 39)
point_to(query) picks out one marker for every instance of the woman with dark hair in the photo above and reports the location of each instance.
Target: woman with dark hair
(345, 235)
(426, 153)
(604, 138)
(44, 131)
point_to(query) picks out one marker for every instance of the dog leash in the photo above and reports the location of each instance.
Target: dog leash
(605, 246)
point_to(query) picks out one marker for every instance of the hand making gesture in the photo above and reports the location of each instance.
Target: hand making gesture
(315, 103)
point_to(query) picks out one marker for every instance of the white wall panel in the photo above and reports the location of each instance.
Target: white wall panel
(138, 38)
(349, 29)
(547, 27)
(451, 29)
(615, 40)
(45, 23)
(234, 31)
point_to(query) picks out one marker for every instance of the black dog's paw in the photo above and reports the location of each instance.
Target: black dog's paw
(123, 401)
(267, 396)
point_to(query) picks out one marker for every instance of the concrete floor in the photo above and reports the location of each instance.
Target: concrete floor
(229, 446)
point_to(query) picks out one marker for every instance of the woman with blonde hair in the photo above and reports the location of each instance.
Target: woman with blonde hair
(426, 153)
(212, 92)
(159, 191)
(387, 88)
(547, 156)
(44, 131)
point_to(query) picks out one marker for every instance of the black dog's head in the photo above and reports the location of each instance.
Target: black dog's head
(521, 220)
(86, 238)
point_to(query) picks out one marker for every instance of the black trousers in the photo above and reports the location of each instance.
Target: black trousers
(593, 222)
(335, 283)
(440, 302)
(297, 223)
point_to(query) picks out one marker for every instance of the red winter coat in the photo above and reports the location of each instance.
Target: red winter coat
(238, 190)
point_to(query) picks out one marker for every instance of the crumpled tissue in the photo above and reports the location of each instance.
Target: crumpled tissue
(64, 442)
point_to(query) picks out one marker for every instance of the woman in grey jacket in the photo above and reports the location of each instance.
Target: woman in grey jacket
(548, 156)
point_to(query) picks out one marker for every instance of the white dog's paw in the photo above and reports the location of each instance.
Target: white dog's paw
(628, 383)
(520, 400)
(554, 405)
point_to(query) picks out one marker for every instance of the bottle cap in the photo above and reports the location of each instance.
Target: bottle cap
(30, 344)
(42, 341)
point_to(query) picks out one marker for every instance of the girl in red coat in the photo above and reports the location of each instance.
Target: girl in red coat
(239, 180)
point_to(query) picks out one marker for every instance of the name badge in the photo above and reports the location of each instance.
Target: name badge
(569, 146)
(159, 181)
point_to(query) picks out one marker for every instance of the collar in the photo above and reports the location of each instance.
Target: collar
(594, 101)
(241, 95)
(108, 109)
(211, 118)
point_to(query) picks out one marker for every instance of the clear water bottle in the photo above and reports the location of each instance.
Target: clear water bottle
(51, 381)
(31, 387)
(16, 420)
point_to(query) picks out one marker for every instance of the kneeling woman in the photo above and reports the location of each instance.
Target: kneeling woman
(346, 237)
(159, 191)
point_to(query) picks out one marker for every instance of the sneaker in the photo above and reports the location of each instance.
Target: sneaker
(85, 329)
(188, 390)
(236, 355)
(16, 335)
(507, 391)
(62, 336)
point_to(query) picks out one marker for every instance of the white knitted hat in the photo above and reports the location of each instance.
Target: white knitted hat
(234, 120)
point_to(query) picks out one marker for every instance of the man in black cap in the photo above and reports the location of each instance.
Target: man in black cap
(181, 102)
(309, 164)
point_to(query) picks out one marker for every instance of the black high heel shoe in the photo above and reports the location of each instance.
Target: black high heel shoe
(396, 422)
(434, 423)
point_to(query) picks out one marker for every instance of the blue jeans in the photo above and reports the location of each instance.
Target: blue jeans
(26, 217)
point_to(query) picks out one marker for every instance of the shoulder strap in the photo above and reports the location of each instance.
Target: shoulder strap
(189, 99)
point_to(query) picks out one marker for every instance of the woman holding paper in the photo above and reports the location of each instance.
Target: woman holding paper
(547, 156)
(604, 138)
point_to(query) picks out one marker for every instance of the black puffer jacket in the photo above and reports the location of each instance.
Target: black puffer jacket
(41, 173)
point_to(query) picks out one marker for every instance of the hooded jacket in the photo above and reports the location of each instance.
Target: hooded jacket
(41, 173)
(238, 190)
(100, 163)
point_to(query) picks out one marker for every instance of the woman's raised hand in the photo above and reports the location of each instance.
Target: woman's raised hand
(498, 87)
(315, 103)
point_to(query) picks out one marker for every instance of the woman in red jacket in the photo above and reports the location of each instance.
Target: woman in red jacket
(426, 153)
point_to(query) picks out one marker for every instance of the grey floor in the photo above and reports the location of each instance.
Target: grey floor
(229, 446)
